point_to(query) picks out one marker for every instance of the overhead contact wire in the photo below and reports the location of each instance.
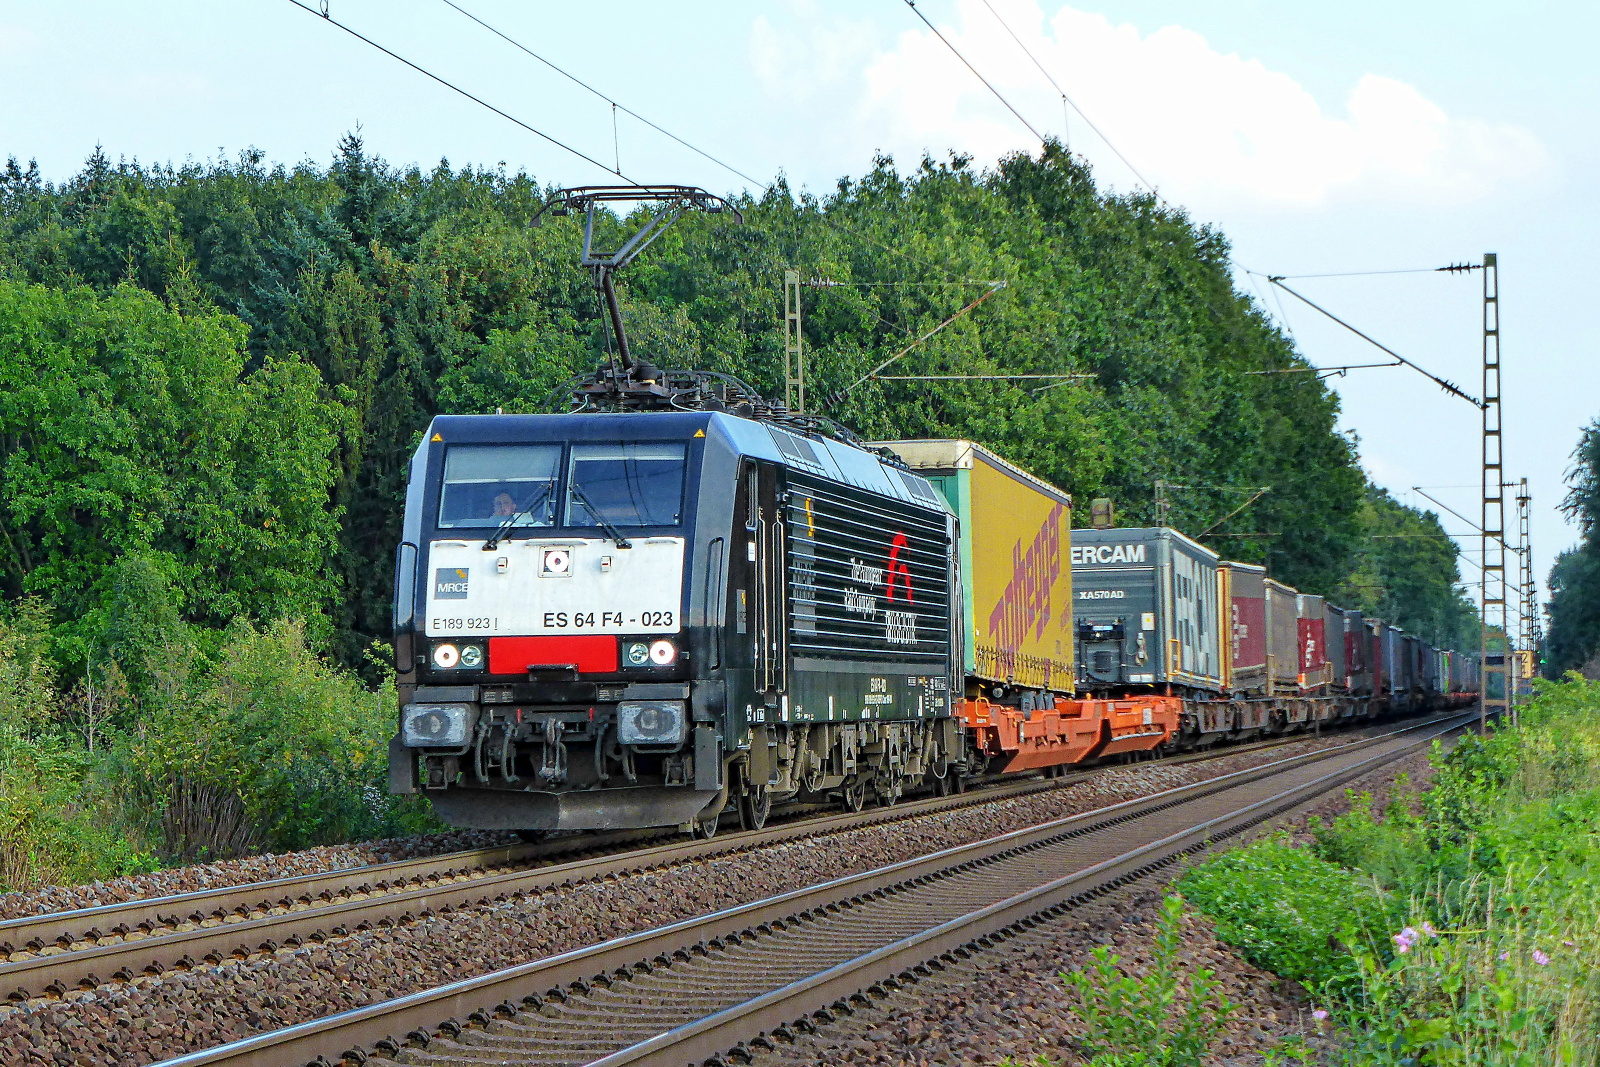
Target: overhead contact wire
(1071, 103)
(457, 89)
(513, 42)
(955, 52)
(1449, 387)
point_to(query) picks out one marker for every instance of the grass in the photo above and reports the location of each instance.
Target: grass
(1461, 927)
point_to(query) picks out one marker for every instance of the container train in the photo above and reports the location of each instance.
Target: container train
(679, 597)
(635, 619)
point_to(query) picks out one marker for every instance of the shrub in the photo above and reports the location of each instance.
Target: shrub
(27, 677)
(270, 746)
(1475, 942)
(1149, 1020)
(55, 826)
(1286, 910)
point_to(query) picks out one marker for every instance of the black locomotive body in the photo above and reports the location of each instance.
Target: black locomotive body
(626, 619)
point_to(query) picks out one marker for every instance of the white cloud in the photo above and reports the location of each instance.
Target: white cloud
(1211, 129)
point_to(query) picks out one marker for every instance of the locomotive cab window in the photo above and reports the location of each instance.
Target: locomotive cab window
(484, 485)
(626, 485)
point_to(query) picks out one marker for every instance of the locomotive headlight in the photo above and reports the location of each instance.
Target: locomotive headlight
(663, 653)
(436, 725)
(446, 656)
(472, 656)
(652, 722)
(636, 653)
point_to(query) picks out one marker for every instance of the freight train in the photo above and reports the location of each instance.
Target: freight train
(678, 598)
(633, 619)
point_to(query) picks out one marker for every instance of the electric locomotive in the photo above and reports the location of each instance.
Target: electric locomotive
(620, 619)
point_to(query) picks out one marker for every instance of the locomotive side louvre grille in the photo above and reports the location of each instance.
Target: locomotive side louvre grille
(919, 488)
(797, 449)
(848, 552)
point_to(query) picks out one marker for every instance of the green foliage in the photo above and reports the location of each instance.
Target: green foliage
(53, 824)
(407, 293)
(1406, 574)
(1287, 910)
(147, 478)
(1478, 943)
(1149, 1020)
(52, 813)
(27, 674)
(1573, 642)
(269, 746)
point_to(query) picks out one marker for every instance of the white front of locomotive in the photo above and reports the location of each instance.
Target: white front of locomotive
(549, 651)
(537, 543)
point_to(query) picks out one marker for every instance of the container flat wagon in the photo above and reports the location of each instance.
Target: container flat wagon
(1280, 661)
(1021, 706)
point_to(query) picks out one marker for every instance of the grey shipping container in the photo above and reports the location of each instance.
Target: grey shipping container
(1146, 606)
(1333, 631)
(1283, 636)
(1393, 659)
(1411, 656)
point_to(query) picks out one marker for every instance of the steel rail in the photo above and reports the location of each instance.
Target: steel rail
(25, 941)
(263, 916)
(894, 964)
(477, 1000)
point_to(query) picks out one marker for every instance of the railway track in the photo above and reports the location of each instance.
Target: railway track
(691, 991)
(84, 948)
(50, 954)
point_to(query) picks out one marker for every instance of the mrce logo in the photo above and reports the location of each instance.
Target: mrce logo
(450, 583)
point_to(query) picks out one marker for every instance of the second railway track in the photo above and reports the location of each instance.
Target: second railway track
(692, 990)
(53, 953)
(50, 954)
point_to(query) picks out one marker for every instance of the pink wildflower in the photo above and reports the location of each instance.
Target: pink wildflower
(1319, 1015)
(1570, 944)
(1540, 958)
(1504, 956)
(1427, 928)
(1404, 940)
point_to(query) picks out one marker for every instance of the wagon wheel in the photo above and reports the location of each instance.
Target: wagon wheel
(886, 788)
(705, 827)
(755, 804)
(533, 837)
(854, 794)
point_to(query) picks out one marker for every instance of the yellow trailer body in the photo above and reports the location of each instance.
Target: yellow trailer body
(1016, 539)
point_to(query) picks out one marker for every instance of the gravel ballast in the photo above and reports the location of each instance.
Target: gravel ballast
(155, 1018)
(243, 871)
(1010, 1001)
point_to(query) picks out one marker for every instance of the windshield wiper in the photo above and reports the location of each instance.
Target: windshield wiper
(505, 527)
(616, 534)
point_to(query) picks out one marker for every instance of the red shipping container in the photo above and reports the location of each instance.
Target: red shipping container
(1312, 631)
(1313, 648)
(1247, 606)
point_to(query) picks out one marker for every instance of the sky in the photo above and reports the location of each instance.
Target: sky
(1320, 138)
